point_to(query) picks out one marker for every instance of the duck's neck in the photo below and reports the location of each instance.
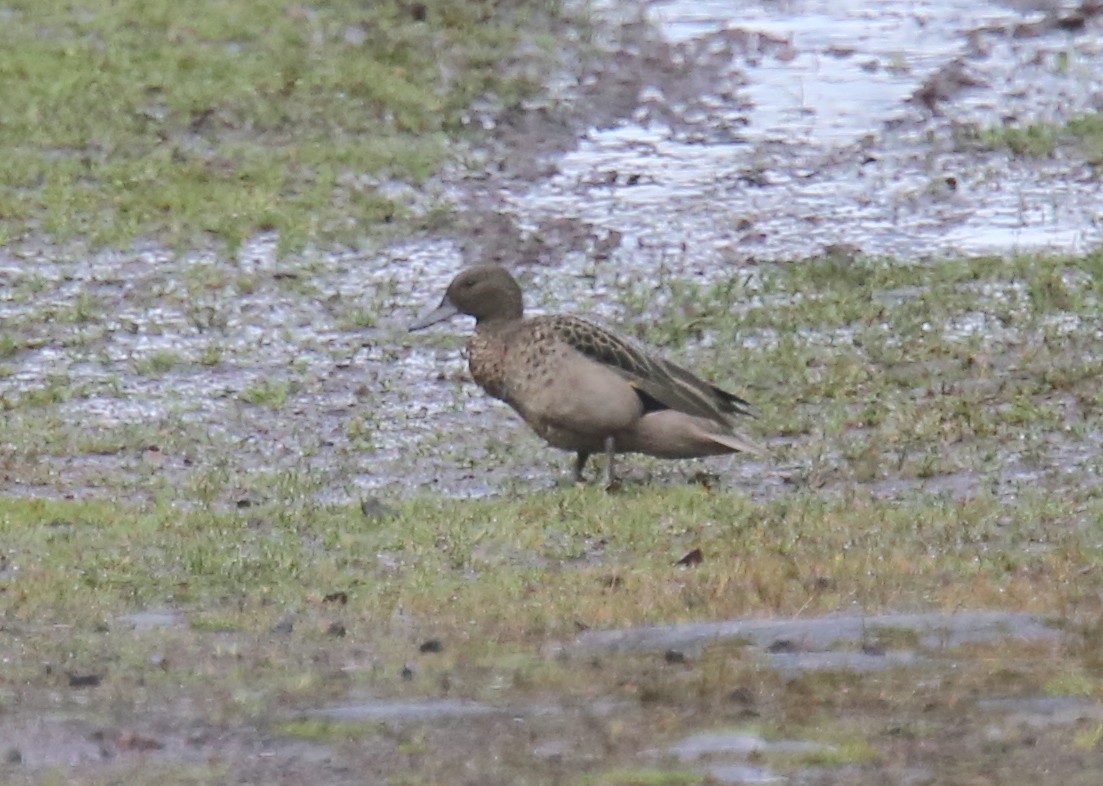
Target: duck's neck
(498, 321)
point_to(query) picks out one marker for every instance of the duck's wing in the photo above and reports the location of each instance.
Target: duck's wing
(660, 383)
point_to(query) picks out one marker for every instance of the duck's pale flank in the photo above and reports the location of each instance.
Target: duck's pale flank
(582, 387)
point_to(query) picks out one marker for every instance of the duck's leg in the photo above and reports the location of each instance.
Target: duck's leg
(610, 452)
(579, 465)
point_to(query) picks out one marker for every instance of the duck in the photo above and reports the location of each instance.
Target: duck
(581, 386)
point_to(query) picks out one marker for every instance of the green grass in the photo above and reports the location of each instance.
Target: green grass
(8, 347)
(473, 568)
(1083, 134)
(1037, 140)
(271, 393)
(326, 729)
(225, 118)
(904, 370)
(157, 363)
(1088, 130)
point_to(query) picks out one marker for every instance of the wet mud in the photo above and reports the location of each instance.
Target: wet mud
(728, 682)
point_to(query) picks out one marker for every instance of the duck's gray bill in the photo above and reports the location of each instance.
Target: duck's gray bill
(446, 310)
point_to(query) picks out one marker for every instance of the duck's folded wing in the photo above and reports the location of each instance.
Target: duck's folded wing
(658, 380)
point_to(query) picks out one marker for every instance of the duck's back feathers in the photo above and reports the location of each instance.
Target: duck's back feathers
(660, 383)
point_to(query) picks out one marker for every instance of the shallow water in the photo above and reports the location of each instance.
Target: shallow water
(1044, 710)
(811, 139)
(934, 630)
(398, 711)
(722, 752)
(737, 743)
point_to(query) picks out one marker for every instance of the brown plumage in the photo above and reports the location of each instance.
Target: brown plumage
(582, 387)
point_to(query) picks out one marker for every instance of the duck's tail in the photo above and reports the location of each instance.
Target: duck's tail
(671, 434)
(737, 442)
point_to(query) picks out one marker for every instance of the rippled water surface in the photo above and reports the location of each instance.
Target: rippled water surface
(811, 133)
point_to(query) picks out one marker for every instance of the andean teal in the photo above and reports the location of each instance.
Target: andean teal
(582, 387)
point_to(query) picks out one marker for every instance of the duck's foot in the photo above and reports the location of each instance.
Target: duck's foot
(611, 482)
(579, 465)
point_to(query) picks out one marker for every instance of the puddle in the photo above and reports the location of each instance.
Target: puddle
(807, 136)
(794, 663)
(49, 747)
(1041, 711)
(715, 749)
(934, 630)
(45, 743)
(742, 773)
(150, 619)
(739, 743)
(398, 711)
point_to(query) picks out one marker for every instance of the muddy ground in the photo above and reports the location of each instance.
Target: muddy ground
(706, 139)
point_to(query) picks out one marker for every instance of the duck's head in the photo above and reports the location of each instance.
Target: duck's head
(487, 292)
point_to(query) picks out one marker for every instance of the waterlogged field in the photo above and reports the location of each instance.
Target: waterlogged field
(933, 433)
(252, 531)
